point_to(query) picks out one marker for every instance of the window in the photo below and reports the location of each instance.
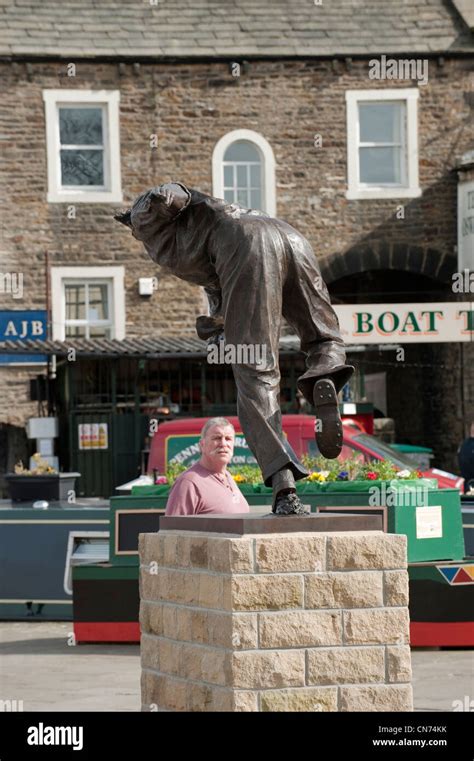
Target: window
(81, 140)
(82, 133)
(88, 309)
(88, 302)
(243, 175)
(382, 144)
(243, 170)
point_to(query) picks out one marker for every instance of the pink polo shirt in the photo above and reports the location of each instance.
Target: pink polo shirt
(199, 491)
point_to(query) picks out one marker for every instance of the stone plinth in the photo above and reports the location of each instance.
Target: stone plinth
(299, 619)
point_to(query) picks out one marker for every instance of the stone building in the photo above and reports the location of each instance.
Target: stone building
(347, 119)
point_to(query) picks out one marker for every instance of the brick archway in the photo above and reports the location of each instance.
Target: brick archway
(390, 256)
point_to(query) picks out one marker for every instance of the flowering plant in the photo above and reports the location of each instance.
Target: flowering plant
(41, 467)
(173, 471)
(330, 470)
(353, 469)
(316, 477)
(246, 474)
(385, 470)
(321, 471)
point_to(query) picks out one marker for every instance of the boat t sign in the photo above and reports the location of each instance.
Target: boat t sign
(437, 322)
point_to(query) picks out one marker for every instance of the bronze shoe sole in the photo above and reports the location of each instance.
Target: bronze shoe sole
(329, 439)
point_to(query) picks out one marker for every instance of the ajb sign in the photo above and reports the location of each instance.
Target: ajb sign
(437, 322)
(22, 325)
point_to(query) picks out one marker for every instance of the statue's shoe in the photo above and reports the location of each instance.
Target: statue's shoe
(289, 504)
(328, 426)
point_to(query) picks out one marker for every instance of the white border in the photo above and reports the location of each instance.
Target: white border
(463, 251)
(268, 160)
(58, 305)
(354, 191)
(67, 580)
(109, 98)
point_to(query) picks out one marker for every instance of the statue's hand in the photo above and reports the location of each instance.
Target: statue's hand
(216, 339)
(171, 195)
(210, 329)
(161, 203)
(124, 217)
(163, 193)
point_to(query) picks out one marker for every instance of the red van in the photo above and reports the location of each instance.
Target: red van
(177, 441)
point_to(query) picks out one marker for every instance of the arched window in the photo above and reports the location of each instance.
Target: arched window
(243, 174)
(243, 168)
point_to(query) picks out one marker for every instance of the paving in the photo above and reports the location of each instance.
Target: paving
(40, 665)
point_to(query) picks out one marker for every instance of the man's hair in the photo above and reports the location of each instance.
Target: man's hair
(215, 421)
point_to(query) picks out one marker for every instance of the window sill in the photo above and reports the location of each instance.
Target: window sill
(72, 196)
(381, 193)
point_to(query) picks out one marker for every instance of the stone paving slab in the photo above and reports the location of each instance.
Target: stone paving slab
(38, 666)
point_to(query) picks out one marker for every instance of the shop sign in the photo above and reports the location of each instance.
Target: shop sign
(23, 325)
(436, 322)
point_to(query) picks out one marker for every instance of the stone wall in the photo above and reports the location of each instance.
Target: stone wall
(189, 107)
(15, 404)
(300, 622)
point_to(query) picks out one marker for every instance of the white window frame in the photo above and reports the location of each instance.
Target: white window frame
(109, 100)
(268, 166)
(357, 190)
(234, 187)
(62, 275)
(90, 323)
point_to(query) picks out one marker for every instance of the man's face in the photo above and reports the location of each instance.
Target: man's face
(217, 446)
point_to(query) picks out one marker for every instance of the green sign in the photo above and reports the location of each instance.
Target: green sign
(184, 450)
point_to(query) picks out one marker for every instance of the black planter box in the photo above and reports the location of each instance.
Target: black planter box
(51, 487)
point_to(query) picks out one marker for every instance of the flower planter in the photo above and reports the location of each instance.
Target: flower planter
(50, 487)
(430, 517)
(153, 490)
(308, 487)
(351, 487)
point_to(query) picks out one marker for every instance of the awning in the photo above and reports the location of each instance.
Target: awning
(163, 347)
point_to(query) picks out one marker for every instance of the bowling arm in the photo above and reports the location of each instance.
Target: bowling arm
(171, 195)
(164, 202)
(211, 327)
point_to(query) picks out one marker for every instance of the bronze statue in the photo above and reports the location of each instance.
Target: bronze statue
(254, 269)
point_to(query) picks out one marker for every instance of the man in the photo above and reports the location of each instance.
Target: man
(208, 487)
(466, 459)
(254, 269)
